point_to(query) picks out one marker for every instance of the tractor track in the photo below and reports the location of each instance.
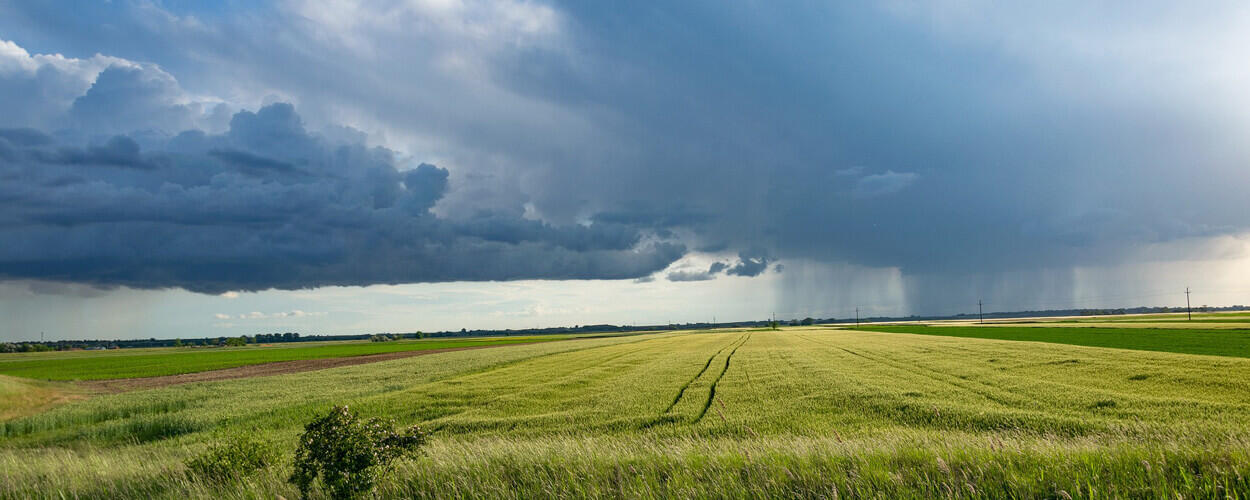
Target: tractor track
(711, 393)
(681, 392)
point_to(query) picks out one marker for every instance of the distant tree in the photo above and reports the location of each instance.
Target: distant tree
(420, 335)
(177, 342)
(236, 342)
(807, 322)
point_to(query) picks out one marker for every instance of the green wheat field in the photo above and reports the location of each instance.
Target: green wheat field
(809, 412)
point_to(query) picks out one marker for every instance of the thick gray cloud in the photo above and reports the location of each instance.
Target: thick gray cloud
(680, 276)
(748, 265)
(269, 205)
(127, 98)
(938, 139)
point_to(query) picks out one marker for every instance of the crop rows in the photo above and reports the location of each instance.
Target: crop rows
(796, 412)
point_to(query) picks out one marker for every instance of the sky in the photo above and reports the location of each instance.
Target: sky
(187, 168)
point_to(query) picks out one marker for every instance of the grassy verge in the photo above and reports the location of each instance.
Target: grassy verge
(20, 397)
(904, 467)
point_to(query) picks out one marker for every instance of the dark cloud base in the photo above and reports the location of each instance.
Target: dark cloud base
(268, 205)
(834, 132)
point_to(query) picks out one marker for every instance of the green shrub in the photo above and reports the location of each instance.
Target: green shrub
(236, 457)
(350, 453)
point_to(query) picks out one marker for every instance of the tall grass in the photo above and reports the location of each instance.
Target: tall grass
(802, 413)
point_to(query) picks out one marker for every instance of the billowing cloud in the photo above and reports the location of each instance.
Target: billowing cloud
(748, 265)
(687, 275)
(36, 90)
(265, 204)
(934, 139)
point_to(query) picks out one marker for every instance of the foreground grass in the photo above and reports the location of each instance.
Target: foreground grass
(95, 365)
(567, 467)
(1213, 342)
(803, 413)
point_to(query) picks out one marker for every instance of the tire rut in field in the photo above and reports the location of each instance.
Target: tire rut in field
(711, 393)
(479, 403)
(681, 392)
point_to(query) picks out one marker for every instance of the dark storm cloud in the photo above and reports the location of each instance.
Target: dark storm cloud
(847, 132)
(681, 276)
(25, 137)
(748, 265)
(937, 140)
(268, 205)
(248, 162)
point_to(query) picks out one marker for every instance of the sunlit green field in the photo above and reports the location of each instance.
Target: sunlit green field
(1213, 342)
(97, 365)
(795, 413)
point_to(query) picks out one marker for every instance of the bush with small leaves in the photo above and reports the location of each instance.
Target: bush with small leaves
(350, 453)
(236, 457)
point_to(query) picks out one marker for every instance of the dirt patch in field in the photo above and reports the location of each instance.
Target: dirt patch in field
(258, 370)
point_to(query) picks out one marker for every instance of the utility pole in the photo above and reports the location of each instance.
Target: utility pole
(856, 317)
(1189, 311)
(980, 312)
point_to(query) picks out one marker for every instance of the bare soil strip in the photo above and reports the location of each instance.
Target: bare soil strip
(257, 370)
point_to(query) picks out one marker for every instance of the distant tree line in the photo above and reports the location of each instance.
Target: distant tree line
(25, 347)
(273, 338)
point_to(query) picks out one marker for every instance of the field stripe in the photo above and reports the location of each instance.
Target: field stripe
(681, 392)
(711, 393)
(989, 392)
(508, 364)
